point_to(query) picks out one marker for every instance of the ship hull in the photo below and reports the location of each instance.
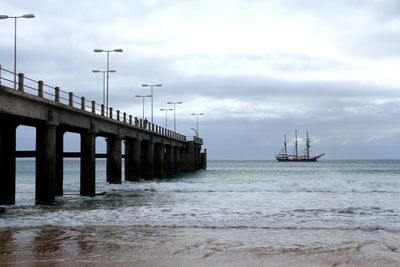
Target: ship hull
(298, 160)
(311, 159)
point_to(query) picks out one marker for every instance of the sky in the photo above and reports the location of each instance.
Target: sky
(257, 69)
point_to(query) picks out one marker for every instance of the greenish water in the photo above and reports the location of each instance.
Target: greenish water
(245, 194)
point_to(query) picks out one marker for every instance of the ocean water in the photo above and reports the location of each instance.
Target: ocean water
(330, 194)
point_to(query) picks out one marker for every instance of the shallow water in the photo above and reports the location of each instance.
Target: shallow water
(160, 246)
(230, 194)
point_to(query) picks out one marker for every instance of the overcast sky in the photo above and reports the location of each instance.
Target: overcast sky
(256, 69)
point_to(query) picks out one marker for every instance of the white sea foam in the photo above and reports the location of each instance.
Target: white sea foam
(322, 185)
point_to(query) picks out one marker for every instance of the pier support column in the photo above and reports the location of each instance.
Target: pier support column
(114, 160)
(148, 161)
(88, 163)
(136, 163)
(45, 164)
(187, 158)
(128, 160)
(132, 160)
(59, 190)
(169, 161)
(176, 160)
(159, 160)
(196, 156)
(7, 162)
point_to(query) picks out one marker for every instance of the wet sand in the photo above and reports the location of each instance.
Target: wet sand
(149, 246)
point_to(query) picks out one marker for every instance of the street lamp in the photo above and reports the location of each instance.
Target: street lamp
(174, 103)
(143, 96)
(194, 131)
(166, 115)
(197, 124)
(26, 16)
(104, 81)
(151, 86)
(119, 50)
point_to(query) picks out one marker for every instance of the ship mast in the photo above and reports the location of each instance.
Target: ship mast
(285, 147)
(308, 141)
(295, 144)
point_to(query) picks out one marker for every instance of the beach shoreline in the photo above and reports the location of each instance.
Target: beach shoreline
(161, 246)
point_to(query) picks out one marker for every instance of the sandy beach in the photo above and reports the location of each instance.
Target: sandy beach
(149, 246)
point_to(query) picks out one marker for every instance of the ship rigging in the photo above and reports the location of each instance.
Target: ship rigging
(284, 156)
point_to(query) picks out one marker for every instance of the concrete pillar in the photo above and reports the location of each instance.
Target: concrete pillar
(88, 163)
(7, 162)
(83, 103)
(159, 160)
(187, 158)
(21, 85)
(40, 88)
(148, 161)
(114, 173)
(128, 160)
(59, 191)
(176, 159)
(71, 99)
(196, 157)
(45, 164)
(57, 94)
(199, 158)
(136, 160)
(132, 160)
(169, 161)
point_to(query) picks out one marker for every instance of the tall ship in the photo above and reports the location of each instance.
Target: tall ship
(284, 156)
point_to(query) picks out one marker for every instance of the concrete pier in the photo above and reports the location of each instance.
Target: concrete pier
(150, 150)
(7, 161)
(148, 161)
(176, 168)
(45, 164)
(169, 166)
(88, 163)
(159, 170)
(132, 160)
(114, 173)
(129, 176)
(59, 189)
(135, 163)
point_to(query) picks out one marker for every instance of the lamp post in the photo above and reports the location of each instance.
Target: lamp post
(104, 81)
(174, 103)
(143, 96)
(166, 115)
(26, 16)
(194, 131)
(197, 123)
(151, 86)
(119, 50)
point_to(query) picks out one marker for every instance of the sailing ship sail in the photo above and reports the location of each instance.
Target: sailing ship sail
(284, 156)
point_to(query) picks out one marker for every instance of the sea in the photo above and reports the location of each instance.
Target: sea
(329, 194)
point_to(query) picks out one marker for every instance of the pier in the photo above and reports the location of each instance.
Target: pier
(151, 151)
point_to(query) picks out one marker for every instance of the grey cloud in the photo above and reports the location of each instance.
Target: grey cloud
(346, 117)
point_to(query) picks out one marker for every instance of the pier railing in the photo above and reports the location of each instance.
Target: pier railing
(195, 139)
(57, 95)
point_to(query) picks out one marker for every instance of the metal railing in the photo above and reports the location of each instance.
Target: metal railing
(58, 96)
(195, 139)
